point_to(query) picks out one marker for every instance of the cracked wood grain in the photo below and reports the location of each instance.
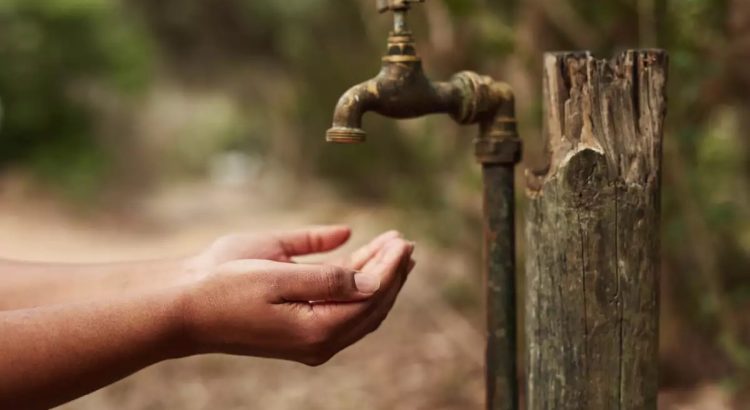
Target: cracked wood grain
(592, 233)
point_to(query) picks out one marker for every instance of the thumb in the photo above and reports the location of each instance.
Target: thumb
(313, 240)
(326, 283)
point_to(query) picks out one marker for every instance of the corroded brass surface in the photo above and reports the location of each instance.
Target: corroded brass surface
(402, 90)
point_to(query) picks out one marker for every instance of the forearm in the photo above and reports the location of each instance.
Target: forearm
(26, 285)
(50, 355)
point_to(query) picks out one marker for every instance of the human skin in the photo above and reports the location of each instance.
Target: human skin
(32, 284)
(243, 295)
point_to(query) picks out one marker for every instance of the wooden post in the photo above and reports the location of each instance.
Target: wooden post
(592, 261)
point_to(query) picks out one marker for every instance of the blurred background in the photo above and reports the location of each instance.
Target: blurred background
(139, 129)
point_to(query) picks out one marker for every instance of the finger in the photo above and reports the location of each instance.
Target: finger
(361, 256)
(313, 240)
(387, 261)
(372, 263)
(384, 266)
(378, 308)
(381, 308)
(323, 283)
(387, 298)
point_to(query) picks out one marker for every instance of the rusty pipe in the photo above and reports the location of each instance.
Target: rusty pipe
(402, 90)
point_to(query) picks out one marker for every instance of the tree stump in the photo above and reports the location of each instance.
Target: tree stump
(592, 232)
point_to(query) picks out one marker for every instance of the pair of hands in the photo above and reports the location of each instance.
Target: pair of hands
(248, 297)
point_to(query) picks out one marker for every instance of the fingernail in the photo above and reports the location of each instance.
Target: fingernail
(366, 283)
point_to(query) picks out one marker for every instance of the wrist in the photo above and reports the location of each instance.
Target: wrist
(203, 316)
(147, 276)
(178, 337)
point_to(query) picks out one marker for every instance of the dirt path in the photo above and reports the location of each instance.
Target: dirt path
(426, 356)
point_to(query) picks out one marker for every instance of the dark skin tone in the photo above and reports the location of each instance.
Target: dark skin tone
(69, 330)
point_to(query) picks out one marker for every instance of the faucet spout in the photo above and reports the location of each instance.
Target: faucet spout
(402, 90)
(347, 117)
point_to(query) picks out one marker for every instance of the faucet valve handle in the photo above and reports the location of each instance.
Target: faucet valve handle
(395, 5)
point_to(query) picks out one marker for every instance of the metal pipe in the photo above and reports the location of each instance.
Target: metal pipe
(399, 21)
(500, 277)
(401, 90)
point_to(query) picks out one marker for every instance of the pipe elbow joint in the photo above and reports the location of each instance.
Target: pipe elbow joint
(403, 91)
(400, 90)
(347, 117)
(482, 98)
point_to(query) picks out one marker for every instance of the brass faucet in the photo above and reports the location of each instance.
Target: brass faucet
(402, 90)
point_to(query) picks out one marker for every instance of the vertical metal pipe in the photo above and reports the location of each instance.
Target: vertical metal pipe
(399, 21)
(500, 276)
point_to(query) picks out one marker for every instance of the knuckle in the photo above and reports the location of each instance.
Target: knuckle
(336, 280)
(279, 242)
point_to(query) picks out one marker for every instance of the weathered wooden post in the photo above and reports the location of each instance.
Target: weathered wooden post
(592, 233)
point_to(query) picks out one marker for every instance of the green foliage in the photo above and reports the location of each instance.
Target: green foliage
(280, 66)
(49, 51)
(462, 8)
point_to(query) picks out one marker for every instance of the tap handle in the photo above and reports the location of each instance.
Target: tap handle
(395, 5)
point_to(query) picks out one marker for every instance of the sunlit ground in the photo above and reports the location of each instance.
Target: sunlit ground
(428, 354)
